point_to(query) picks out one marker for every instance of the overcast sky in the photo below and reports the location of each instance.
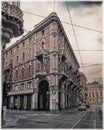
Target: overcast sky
(87, 14)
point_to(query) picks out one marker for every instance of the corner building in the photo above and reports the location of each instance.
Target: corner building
(43, 69)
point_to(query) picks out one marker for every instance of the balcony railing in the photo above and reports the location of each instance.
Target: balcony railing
(12, 11)
(41, 73)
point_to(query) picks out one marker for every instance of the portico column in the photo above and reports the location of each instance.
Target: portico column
(33, 102)
(18, 106)
(54, 98)
(11, 102)
(25, 102)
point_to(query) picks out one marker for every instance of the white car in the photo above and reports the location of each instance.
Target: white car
(82, 107)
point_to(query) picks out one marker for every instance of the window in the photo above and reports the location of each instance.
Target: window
(11, 52)
(16, 74)
(29, 85)
(16, 87)
(23, 44)
(22, 72)
(22, 86)
(30, 53)
(17, 48)
(30, 40)
(96, 94)
(93, 94)
(23, 56)
(17, 59)
(43, 45)
(14, 3)
(29, 69)
(101, 94)
(42, 32)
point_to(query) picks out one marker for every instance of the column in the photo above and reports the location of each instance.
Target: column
(36, 100)
(25, 102)
(18, 106)
(11, 102)
(54, 98)
(33, 102)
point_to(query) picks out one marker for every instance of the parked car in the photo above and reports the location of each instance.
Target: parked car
(82, 107)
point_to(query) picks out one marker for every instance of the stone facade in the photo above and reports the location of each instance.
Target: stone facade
(95, 93)
(44, 70)
(83, 86)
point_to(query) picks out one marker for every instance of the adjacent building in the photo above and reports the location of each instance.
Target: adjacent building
(95, 93)
(42, 69)
(83, 86)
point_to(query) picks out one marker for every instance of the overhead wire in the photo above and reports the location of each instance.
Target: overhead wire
(74, 32)
(91, 29)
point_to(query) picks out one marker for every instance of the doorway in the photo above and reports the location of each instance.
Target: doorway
(43, 96)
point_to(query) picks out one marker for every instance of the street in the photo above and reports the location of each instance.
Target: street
(73, 118)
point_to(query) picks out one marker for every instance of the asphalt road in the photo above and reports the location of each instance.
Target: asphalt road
(66, 119)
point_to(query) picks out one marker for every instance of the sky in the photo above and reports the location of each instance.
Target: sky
(86, 14)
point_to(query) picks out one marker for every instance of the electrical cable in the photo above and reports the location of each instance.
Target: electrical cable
(74, 33)
(66, 22)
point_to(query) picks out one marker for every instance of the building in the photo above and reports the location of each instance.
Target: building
(83, 81)
(43, 69)
(95, 93)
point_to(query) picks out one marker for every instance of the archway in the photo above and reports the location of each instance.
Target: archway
(43, 96)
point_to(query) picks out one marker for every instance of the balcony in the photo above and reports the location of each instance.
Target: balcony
(40, 73)
(12, 22)
(63, 75)
(40, 54)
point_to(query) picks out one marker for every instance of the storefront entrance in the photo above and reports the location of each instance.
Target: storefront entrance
(43, 96)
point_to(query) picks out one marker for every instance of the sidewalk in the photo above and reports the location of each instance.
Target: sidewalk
(10, 121)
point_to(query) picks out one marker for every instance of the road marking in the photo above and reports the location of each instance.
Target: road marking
(76, 123)
(79, 119)
(94, 123)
